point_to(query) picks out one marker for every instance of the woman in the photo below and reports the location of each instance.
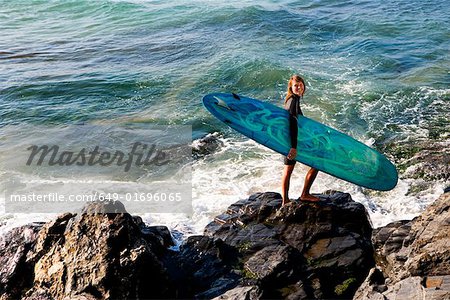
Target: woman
(295, 91)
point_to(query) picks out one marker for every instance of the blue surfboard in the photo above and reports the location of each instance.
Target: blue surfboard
(318, 145)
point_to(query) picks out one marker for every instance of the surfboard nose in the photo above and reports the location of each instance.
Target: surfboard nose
(222, 103)
(213, 98)
(219, 101)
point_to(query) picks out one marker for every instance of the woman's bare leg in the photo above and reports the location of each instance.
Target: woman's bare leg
(309, 179)
(287, 171)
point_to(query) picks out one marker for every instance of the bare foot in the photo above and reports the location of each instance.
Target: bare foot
(285, 202)
(308, 198)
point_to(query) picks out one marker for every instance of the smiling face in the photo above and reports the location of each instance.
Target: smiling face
(298, 88)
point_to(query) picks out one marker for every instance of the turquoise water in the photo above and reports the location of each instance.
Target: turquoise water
(78, 61)
(377, 70)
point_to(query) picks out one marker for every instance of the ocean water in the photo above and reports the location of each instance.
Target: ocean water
(376, 70)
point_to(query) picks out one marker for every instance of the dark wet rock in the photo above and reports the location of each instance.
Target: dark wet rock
(413, 257)
(302, 250)
(206, 145)
(206, 268)
(256, 249)
(272, 263)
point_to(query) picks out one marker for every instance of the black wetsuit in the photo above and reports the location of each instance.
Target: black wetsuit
(292, 105)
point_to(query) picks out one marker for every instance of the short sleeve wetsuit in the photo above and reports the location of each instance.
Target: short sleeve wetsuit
(292, 105)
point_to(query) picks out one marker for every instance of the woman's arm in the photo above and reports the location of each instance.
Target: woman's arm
(293, 128)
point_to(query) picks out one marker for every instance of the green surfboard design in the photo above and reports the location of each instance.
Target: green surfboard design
(318, 145)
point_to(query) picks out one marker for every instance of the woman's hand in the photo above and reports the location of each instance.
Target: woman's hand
(292, 154)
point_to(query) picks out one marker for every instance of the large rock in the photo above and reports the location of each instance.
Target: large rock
(91, 255)
(254, 250)
(413, 257)
(16, 273)
(300, 251)
(205, 268)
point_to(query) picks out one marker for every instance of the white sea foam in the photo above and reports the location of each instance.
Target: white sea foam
(242, 167)
(229, 175)
(412, 113)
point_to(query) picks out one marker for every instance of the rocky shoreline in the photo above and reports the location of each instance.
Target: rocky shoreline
(254, 250)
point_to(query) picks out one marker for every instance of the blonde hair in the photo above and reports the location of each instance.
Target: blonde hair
(293, 78)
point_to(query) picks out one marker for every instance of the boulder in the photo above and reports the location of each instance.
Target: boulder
(256, 249)
(299, 251)
(91, 255)
(206, 145)
(16, 272)
(412, 257)
(204, 268)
